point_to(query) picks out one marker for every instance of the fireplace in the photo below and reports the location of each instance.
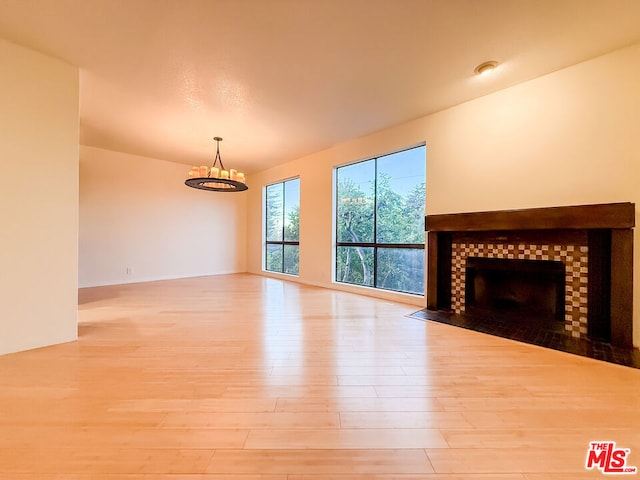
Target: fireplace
(564, 268)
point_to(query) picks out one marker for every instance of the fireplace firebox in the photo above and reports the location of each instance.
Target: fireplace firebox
(516, 289)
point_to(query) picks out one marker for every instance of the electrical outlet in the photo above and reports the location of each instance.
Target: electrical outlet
(129, 270)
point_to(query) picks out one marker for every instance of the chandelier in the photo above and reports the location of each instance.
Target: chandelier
(216, 179)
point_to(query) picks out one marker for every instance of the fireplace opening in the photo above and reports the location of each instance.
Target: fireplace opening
(518, 290)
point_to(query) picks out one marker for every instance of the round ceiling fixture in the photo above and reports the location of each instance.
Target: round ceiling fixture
(216, 179)
(485, 67)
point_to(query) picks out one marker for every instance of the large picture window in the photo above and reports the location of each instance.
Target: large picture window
(282, 214)
(380, 222)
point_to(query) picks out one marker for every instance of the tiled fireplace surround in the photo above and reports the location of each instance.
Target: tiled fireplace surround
(594, 242)
(574, 257)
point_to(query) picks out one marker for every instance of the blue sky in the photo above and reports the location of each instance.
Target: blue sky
(406, 169)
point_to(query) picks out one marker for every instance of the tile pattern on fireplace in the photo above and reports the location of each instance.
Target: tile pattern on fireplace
(574, 257)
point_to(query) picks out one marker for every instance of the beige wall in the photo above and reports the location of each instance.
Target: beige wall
(568, 138)
(136, 213)
(39, 191)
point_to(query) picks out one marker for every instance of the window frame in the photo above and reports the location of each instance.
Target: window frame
(282, 242)
(375, 245)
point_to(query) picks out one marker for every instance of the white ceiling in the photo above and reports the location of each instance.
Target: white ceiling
(278, 79)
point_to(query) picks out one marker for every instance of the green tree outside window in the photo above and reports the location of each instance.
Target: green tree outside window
(282, 216)
(380, 222)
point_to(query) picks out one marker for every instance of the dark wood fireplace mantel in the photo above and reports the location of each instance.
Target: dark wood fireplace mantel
(609, 215)
(607, 230)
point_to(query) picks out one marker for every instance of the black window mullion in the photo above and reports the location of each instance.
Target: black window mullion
(337, 180)
(337, 221)
(375, 223)
(284, 203)
(278, 242)
(380, 245)
(266, 227)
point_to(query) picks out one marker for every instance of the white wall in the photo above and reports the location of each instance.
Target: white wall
(136, 213)
(568, 138)
(39, 192)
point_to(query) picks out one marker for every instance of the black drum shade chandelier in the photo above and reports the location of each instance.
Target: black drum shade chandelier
(216, 178)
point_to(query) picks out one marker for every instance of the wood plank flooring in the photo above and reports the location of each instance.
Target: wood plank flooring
(241, 377)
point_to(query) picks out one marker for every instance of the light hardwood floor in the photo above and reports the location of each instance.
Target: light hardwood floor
(244, 377)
